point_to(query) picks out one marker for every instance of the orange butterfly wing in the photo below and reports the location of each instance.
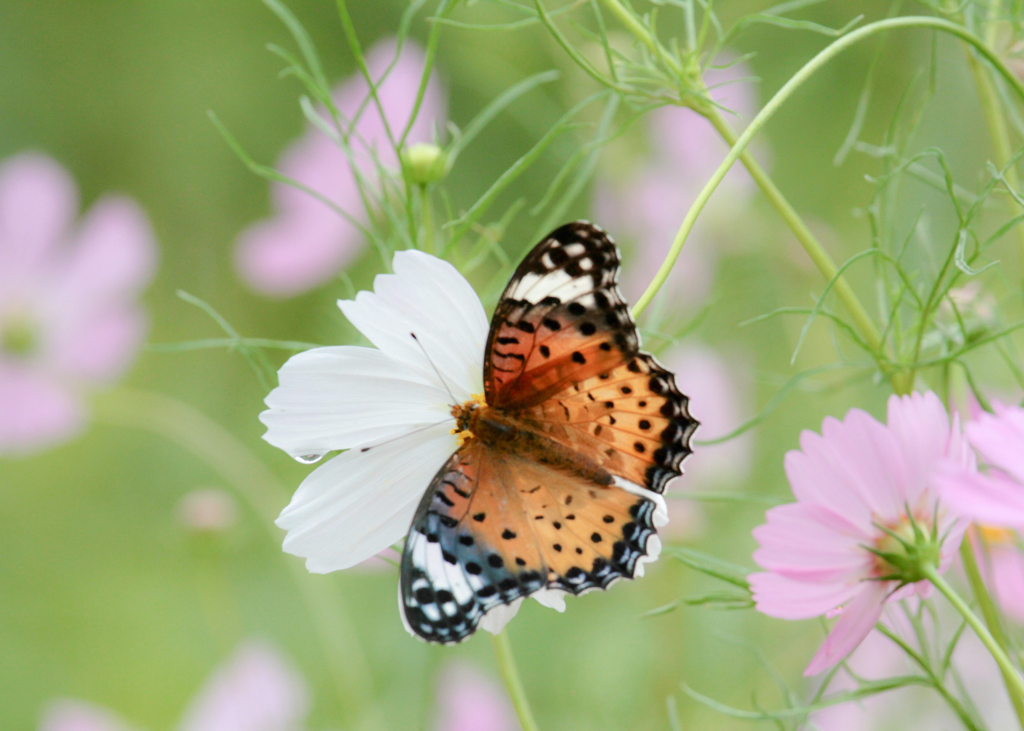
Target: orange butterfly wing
(495, 527)
(563, 361)
(564, 353)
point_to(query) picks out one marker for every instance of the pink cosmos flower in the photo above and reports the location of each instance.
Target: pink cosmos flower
(995, 497)
(306, 242)
(648, 206)
(257, 689)
(856, 476)
(69, 314)
(469, 701)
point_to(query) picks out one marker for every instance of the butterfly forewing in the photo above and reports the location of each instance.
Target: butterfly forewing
(560, 319)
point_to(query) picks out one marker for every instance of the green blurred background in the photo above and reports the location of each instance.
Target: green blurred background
(104, 597)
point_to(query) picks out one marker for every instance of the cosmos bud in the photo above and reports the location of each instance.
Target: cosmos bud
(424, 163)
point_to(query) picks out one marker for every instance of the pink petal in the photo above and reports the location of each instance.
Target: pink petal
(467, 700)
(992, 499)
(68, 714)
(256, 690)
(1007, 571)
(802, 542)
(1000, 439)
(38, 201)
(99, 346)
(920, 427)
(857, 620)
(283, 257)
(114, 254)
(34, 412)
(778, 596)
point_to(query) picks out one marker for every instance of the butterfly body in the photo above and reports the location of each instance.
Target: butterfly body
(556, 481)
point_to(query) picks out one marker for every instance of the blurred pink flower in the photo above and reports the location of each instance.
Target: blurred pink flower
(647, 207)
(857, 475)
(208, 510)
(306, 242)
(257, 689)
(1002, 566)
(69, 315)
(467, 700)
(995, 497)
(720, 400)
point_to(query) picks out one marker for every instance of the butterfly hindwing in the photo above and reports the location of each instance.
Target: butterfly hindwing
(452, 570)
(493, 528)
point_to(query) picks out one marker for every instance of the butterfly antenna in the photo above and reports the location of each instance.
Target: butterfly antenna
(438, 372)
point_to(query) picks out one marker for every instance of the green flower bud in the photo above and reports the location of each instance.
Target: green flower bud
(424, 163)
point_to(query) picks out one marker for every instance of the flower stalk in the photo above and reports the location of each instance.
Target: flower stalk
(1015, 684)
(992, 620)
(902, 382)
(510, 676)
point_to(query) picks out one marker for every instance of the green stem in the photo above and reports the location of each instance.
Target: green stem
(739, 145)
(955, 705)
(514, 686)
(862, 321)
(428, 221)
(992, 619)
(998, 132)
(1014, 683)
(263, 493)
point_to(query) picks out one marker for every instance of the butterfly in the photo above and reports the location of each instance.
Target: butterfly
(547, 488)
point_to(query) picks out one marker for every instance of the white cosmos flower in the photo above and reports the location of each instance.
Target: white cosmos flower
(392, 398)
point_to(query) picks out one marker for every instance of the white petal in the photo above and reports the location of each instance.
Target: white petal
(551, 598)
(426, 296)
(496, 619)
(359, 503)
(346, 396)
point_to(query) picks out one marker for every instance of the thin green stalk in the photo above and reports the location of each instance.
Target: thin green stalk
(803, 234)
(864, 325)
(954, 703)
(999, 133)
(1015, 685)
(991, 615)
(510, 676)
(260, 490)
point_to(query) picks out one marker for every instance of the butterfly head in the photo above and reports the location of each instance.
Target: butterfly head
(463, 414)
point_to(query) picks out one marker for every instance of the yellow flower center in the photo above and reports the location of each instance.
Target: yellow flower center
(462, 412)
